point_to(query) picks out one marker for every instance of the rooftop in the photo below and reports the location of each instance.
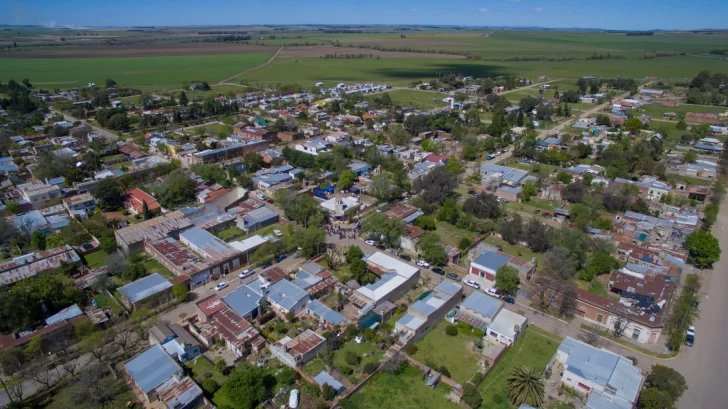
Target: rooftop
(491, 260)
(388, 263)
(152, 368)
(244, 299)
(482, 304)
(325, 313)
(145, 287)
(380, 289)
(506, 321)
(303, 343)
(207, 244)
(211, 305)
(153, 229)
(286, 294)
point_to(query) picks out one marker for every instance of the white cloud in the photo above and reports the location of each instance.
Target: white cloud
(537, 9)
(412, 10)
(484, 10)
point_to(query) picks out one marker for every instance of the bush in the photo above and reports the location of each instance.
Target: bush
(410, 349)
(328, 392)
(210, 386)
(206, 375)
(444, 371)
(352, 358)
(370, 368)
(346, 370)
(472, 397)
(286, 376)
(634, 360)
(220, 364)
(451, 330)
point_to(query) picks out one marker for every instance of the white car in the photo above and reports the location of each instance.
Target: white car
(493, 293)
(370, 242)
(261, 197)
(277, 233)
(245, 274)
(422, 263)
(471, 283)
(691, 330)
(221, 286)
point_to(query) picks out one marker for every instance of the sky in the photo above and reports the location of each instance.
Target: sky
(618, 15)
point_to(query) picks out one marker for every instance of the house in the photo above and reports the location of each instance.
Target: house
(338, 206)
(257, 219)
(182, 394)
(152, 369)
(225, 154)
(425, 313)
(608, 380)
(220, 322)
(180, 260)
(410, 239)
(131, 238)
(151, 291)
(503, 175)
(258, 134)
(246, 301)
(30, 265)
(549, 143)
(553, 192)
(313, 147)
(299, 350)
(359, 167)
(396, 278)
(652, 93)
(507, 326)
(135, 202)
(39, 194)
(325, 378)
(79, 205)
(271, 276)
(486, 265)
(286, 136)
(478, 310)
(325, 315)
(285, 297)
(175, 340)
(220, 257)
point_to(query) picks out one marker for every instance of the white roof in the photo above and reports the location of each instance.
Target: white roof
(248, 244)
(388, 263)
(505, 321)
(377, 291)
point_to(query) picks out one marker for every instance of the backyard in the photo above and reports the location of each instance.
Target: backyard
(96, 259)
(457, 352)
(534, 348)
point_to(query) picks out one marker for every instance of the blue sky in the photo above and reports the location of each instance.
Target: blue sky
(634, 14)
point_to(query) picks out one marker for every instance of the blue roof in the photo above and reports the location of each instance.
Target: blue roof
(305, 280)
(286, 294)
(409, 219)
(151, 368)
(448, 288)
(31, 221)
(206, 242)
(227, 148)
(326, 313)
(243, 300)
(145, 287)
(65, 314)
(259, 215)
(482, 304)
(325, 378)
(491, 260)
(708, 147)
(273, 179)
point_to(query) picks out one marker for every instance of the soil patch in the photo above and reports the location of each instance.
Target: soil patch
(142, 50)
(322, 50)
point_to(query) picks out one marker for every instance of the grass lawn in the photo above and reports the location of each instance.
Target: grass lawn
(202, 365)
(404, 391)
(314, 367)
(153, 266)
(516, 250)
(105, 301)
(457, 353)
(418, 99)
(450, 234)
(368, 348)
(694, 181)
(97, 259)
(118, 166)
(221, 400)
(231, 232)
(534, 348)
(112, 158)
(147, 73)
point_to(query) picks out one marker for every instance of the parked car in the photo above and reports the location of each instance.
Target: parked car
(381, 247)
(281, 258)
(691, 330)
(245, 274)
(689, 340)
(370, 242)
(261, 197)
(277, 233)
(438, 271)
(471, 283)
(392, 252)
(422, 263)
(546, 214)
(489, 157)
(221, 286)
(509, 300)
(265, 265)
(453, 277)
(493, 292)
(405, 257)
(471, 192)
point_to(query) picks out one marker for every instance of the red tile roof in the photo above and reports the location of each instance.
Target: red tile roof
(211, 305)
(137, 197)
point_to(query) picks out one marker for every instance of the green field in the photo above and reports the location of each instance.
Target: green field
(414, 98)
(457, 353)
(147, 73)
(656, 110)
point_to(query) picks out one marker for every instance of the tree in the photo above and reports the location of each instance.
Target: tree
(464, 243)
(564, 177)
(681, 125)
(382, 228)
(245, 388)
(590, 338)
(451, 330)
(253, 162)
(183, 100)
(354, 253)
(436, 186)
(512, 229)
(311, 241)
(180, 291)
(472, 396)
(383, 189)
(529, 190)
(524, 385)
(619, 324)
(703, 248)
(432, 250)
(668, 381)
(574, 192)
(328, 392)
(507, 280)
(399, 136)
(176, 189)
(653, 398)
(485, 206)
(426, 223)
(640, 206)
(352, 358)
(633, 125)
(690, 157)
(346, 179)
(110, 83)
(108, 193)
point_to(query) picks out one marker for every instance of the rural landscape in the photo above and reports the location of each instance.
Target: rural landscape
(362, 217)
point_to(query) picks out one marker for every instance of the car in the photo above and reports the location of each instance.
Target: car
(471, 283)
(696, 304)
(261, 197)
(405, 257)
(493, 292)
(381, 247)
(546, 214)
(690, 340)
(438, 271)
(392, 252)
(691, 330)
(277, 233)
(504, 150)
(489, 157)
(265, 265)
(245, 274)
(471, 192)
(497, 154)
(453, 277)
(370, 242)
(422, 263)
(509, 300)
(281, 258)
(221, 286)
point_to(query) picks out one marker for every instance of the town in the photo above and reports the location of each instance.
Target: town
(527, 243)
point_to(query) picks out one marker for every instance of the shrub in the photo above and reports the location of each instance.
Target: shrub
(286, 376)
(352, 358)
(328, 392)
(444, 371)
(206, 375)
(451, 330)
(346, 370)
(370, 368)
(210, 386)
(410, 349)
(472, 397)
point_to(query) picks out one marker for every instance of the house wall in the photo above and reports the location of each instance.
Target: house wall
(154, 301)
(603, 319)
(505, 339)
(482, 272)
(408, 244)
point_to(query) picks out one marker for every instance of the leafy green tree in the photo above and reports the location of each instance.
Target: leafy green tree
(110, 83)
(382, 228)
(176, 189)
(464, 243)
(633, 125)
(426, 222)
(432, 249)
(253, 162)
(183, 100)
(690, 157)
(485, 206)
(507, 280)
(399, 136)
(180, 291)
(640, 206)
(354, 253)
(436, 186)
(472, 396)
(603, 223)
(311, 240)
(601, 262)
(564, 177)
(529, 190)
(108, 193)
(703, 248)
(681, 125)
(653, 398)
(328, 392)
(13, 208)
(346, 179)
(525, 385)
(245, 388)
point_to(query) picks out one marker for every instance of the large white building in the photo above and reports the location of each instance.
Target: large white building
(396, 278)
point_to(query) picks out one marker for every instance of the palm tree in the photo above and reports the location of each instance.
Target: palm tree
(525, 385)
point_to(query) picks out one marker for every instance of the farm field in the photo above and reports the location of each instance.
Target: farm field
(418, 99)
(146, 73)
(656, 110)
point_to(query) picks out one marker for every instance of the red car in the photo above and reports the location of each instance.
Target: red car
(546, 214)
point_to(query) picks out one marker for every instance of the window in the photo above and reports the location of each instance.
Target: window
(635, 333)
(600, 317)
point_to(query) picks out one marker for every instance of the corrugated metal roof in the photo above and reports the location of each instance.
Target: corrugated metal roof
(145, 287)
(482, 304)
(152, 368)
(65, 314)
(286, 294)
(326, 313)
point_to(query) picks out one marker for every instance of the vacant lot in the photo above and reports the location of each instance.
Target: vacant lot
(457, 353)
(148, 73)
(404, 391)
(534, 348)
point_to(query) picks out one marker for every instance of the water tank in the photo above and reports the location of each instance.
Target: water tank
(293, 399)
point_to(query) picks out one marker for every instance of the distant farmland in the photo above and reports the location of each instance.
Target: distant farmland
(147, 73)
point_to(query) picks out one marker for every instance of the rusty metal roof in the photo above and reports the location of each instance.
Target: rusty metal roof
(154, 229)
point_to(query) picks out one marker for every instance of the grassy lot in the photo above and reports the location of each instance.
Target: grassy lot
(231, 232)
(534, 348)
(202, 365)
(368, 348)
(112, 158)
(656, 110)
(314, 367)
(97, 259)
(118, 166)
(415, 98)
(694, 181)
(153, 266)
(147, 73)
(404, 391)
(105, 301)
(450, 234)
(457, 353)
(516, 250)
